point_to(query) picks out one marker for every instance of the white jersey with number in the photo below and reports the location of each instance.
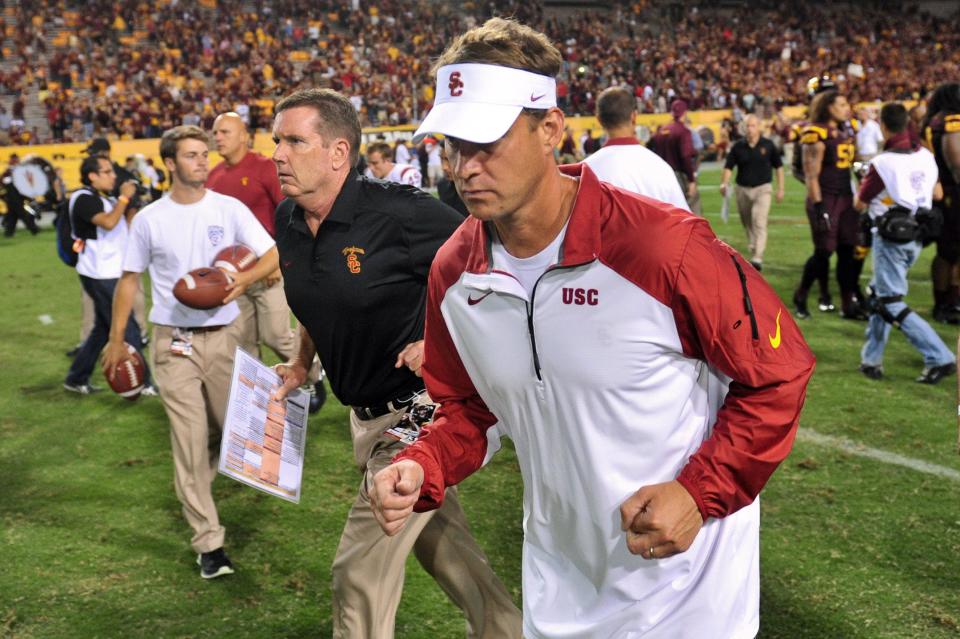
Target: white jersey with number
(172, 239)
(908, 180)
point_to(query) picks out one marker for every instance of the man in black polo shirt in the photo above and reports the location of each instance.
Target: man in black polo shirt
(355, 254)
(755, 158)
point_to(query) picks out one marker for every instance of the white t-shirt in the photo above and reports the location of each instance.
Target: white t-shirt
(102, 258)
(403, 154)
(908, 180)
(869, 139)
(634, 167)
(528, 270)
(173, 239)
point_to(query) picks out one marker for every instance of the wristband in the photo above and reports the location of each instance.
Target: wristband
(123, 199)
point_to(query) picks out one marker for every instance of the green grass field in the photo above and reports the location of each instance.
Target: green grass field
(93, 543)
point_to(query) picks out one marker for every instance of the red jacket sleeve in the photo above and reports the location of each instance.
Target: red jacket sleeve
(455, 444)
(729, 316)
(871, 186)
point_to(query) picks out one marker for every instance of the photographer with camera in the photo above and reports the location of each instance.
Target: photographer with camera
(906, 174)
(100, 147)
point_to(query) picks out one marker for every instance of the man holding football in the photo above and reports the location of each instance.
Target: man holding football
(193, 349)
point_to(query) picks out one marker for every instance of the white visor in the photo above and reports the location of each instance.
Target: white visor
(480, 102)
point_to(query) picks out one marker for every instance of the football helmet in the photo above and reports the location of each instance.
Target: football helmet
(820, 83)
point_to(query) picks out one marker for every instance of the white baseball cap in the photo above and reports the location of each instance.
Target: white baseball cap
(480, 102)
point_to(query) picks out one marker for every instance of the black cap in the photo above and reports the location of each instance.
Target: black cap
(98, 145)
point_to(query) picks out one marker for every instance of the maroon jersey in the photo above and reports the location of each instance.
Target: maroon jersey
(253, 181)
(838, 156)
(674, 143)
(940, 125)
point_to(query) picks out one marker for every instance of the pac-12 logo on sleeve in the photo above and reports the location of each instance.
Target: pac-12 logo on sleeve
(456, 84)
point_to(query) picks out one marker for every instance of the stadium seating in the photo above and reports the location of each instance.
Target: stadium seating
(72, 70)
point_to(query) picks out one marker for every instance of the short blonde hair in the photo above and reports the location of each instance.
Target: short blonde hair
(505, 43)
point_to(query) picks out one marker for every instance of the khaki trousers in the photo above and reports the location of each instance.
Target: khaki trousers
(368, 569)
(753, 202)
(194, 390)
(693, 202)
(265, 319)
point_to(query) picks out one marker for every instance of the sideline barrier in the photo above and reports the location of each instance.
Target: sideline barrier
(68, 156)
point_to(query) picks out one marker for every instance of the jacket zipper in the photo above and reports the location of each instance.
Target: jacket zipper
(530, 329)
(747, 304)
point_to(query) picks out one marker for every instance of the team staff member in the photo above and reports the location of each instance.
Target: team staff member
(101, 223)
(942, 135)
(626, 427)
(100, 147)
(623, 161)
(828, 154)
(905, 174)
(355, 254)
(382, 167)
(755, 158)
(252, 179)
(674, 143)
(193, 349)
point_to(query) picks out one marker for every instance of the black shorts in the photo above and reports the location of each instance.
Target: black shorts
(948, 246)
(844, 223)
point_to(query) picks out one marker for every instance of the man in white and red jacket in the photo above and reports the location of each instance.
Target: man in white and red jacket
(650, 379)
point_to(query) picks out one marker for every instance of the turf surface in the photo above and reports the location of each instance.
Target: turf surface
(94, 544)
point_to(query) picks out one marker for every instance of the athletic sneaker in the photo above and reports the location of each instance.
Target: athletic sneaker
(81, 389)
(800, 306)
(873, 372)
(826, 305)
(318, 396)
(757, 264)
(933, 374)
(214, 564)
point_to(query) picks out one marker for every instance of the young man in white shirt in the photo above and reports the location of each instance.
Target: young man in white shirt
(193, 349)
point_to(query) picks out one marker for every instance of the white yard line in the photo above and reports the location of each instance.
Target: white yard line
(853, 448)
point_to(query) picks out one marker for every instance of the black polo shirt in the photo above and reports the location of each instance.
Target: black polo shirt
(360, 286)
(754, 164)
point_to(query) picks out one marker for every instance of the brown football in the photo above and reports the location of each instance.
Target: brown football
(235, 258)
(202, 288)
(128, 375)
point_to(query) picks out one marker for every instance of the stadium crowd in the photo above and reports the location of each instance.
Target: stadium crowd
(132, 69)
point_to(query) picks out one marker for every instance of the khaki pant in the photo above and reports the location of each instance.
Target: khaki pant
(693, 202)
(139, 312)
(368, 569)
(194, 390)
(265, 319)
(753, 202)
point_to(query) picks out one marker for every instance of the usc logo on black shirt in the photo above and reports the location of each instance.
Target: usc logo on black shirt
(353, 259)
